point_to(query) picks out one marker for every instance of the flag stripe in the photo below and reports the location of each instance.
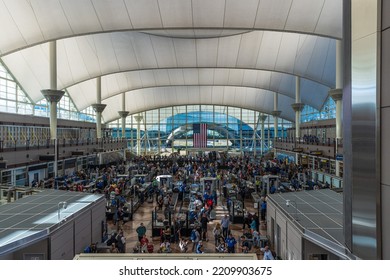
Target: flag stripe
(200, 135)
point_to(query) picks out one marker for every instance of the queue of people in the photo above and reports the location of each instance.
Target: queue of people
(190, 169)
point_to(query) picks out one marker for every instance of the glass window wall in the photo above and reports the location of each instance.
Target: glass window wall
(173, 128)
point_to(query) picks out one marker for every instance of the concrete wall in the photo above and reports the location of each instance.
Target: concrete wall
(76, 234)
(62, 242)
(98, 216)
(290, 246)
(310, 248)
(39, 248)
(82, 231)
(294, 243)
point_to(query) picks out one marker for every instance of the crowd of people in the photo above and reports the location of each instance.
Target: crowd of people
(236, 170)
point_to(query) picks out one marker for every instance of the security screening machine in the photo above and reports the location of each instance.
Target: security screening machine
(209, 187)
(165, 181)
(269, 181)
(139, 179)
(209, 184)
(301, 178)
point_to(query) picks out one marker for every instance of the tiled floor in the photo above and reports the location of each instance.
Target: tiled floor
(144, 215)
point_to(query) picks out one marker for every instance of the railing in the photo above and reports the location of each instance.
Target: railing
(9, 145)
(311, 141)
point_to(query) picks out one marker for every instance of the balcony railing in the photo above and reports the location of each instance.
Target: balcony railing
(36, 144)
(331, 142)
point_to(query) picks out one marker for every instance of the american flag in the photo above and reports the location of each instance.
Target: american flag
(200, 135)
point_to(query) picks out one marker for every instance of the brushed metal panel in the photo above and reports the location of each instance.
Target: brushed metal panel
(364, 15)
(365, 188)
(385, 14)
(385, 67)
(347, 127)
(385, 147)
(385, 205)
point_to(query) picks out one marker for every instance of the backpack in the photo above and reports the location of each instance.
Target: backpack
(193, 235)
(87, 250)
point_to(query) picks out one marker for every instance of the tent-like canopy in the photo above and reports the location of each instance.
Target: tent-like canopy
(175, 52)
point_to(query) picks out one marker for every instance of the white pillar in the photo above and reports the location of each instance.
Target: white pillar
(297, 107)
(159, 124)
(123, 114)
(276, 114)
(99, 107)
(262, 118)
(269, 136)
(337, 95)
(53, 96)
(254, 131)
(138, 119)
(53, 64)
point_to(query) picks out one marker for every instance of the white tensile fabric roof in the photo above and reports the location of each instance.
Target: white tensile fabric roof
(175, 52)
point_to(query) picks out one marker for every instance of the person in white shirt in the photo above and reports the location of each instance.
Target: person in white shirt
(183, 245)
(267, 253)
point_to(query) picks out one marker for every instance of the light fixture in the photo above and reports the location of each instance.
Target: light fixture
(294, 204)
(61, 205)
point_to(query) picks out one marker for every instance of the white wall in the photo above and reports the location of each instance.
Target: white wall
(61, 242)
(78, 233)
(98, 215)
(294, 243)
(281, 222)
(291, 237)
(82, 231)
(41, 247)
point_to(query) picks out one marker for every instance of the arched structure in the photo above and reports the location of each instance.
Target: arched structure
(194, 52)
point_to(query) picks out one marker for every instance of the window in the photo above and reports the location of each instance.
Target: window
(14, 100)
(226, 128)
(328, 111)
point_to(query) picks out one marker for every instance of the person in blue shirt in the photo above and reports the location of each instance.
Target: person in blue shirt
(199, 247)
(225, 224)
(263, 210)
(230, 243)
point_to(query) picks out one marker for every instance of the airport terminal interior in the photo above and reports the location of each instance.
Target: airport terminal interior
(194, 129)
